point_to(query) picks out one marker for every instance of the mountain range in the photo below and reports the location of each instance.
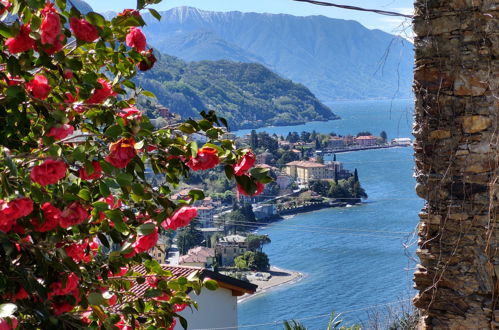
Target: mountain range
(337, 59)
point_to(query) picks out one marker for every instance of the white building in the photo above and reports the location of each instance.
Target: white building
(216, 309)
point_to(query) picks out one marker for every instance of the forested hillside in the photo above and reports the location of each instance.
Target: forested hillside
(248, 95)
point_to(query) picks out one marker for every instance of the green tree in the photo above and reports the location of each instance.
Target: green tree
(383, 136)
(256, 242)
(187, 238)
(253, 260)
(253, 140)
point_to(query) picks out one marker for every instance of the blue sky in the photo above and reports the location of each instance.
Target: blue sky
(372, 21)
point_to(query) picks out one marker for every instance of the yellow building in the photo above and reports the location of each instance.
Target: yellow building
(305, 171)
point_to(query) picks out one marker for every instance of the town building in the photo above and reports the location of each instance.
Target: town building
(304, 171)
(205, 216)
(160, 251)
(336, 142)
(366, 141)
(216, 308)
(404, 142)
(265, 211)
(199, 256)
(230, 247)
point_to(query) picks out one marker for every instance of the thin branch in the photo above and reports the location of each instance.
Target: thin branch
(376, 11)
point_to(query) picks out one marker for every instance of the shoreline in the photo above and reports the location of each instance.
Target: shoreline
(280, 277)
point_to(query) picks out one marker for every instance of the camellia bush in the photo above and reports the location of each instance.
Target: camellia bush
(78, 213)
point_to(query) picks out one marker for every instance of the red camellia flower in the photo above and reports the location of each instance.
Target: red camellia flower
(206, 158)
(148, 62)
(179, 307)
(21, 295)
(60, 289)
(146, 242)
(22, 42)
(101, 94)
(39, 87)
(73, 214)
(130, 113)
(61, 131)
(260, 186)
(6, 5)
(180, 218)
(83, 30)
(49, 172)
(8, 323)
(51, 25)
(51, 49)
(130, 12)
(51, 217)
(136, 39)
(245, 163)
(121, 152)
(96, 174)
(18, 208)
(6, 222)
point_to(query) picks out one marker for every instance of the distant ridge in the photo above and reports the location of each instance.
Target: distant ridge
(248, 95)
(337, 59)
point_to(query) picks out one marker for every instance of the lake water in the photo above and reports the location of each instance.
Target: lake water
(353, 257)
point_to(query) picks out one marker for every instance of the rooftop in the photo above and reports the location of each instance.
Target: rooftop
(304, 163)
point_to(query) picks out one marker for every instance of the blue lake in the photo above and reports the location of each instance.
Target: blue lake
(353, 257)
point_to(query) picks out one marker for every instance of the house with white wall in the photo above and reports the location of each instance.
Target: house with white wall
(216, 309)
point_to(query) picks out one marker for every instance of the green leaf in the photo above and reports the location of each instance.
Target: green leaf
(124, 179)
(138, 189)
(155, 14)
(96, 19)
(5, 31)
(113, 131)
(259, 172)
(148, 94)
(146, 229)
(84, 194)
(229, 171)
(210, 284)
(104, 189)
(7, 310)
(101, 206)
(183, 321)
(196, 195)
(96, 299)
(187, 128)
(151, 293)
(141, 4)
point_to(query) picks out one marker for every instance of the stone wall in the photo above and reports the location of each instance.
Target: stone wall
(457, 109)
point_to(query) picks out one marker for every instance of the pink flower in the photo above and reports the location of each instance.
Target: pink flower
(101, 94)
(51, 25)
(61, 308)
(245, 163)
(72, 215)
(146, 242)
(179, 307)
(49, 172)
(61, 131)
(180, 218)
(83, 30)
(22, 42)
(96, 174)
(152, 281)
(206, 158)
(136, 39)
(51, 216)
(39, 87)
